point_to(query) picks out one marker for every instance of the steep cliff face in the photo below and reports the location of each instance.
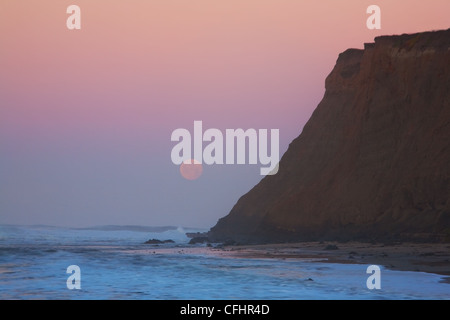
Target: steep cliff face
(372, 163)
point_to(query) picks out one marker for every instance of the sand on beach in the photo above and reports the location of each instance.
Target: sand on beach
(424, 257)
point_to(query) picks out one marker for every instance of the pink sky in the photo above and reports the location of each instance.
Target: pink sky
(114, 91)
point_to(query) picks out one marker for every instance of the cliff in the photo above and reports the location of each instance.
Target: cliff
(372, 162)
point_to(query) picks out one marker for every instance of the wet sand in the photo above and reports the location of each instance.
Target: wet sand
(424, 257)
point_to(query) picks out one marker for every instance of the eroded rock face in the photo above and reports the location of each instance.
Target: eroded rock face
(373, 161)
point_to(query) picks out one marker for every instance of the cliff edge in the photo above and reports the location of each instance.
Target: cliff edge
(372, 162)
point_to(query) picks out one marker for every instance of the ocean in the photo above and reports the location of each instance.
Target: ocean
(115, 263)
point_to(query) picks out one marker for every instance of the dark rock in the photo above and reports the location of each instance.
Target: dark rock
(373, 160)
(427, 254)
(230, 242)
(153, 241)
(156, 241)
(331, 247)
(196, 234)
(199, 240)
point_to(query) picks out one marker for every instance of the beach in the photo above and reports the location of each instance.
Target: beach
(419, 257)
(117, 263)
(422, 257)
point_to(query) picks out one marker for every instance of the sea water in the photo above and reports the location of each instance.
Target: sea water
(115, 263)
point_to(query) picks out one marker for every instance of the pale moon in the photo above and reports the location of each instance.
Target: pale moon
(191, 169)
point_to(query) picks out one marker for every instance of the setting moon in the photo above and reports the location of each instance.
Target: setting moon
(191, 169)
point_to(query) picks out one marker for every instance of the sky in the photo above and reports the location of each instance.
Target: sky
(86, 116)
